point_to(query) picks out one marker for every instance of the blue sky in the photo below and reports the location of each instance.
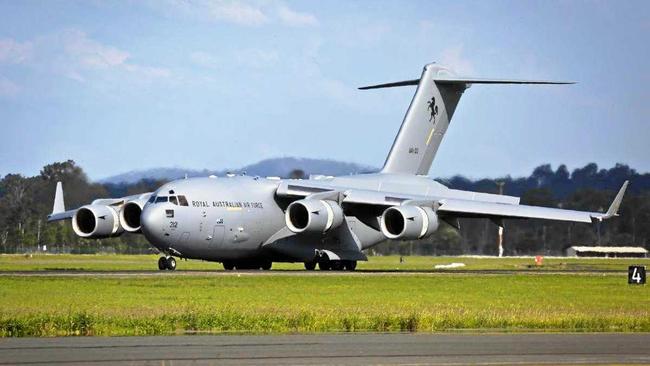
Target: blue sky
(124, 85)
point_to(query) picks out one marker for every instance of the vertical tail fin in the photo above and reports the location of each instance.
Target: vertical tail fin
(428, 117)
(425, 122)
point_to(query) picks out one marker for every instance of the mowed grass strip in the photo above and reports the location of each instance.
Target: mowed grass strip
(54, 306)
(120, 262)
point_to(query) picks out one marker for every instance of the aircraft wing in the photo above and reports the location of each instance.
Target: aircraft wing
(481, 206)
(462, 208)
(57, 216)
(465, 208)
(59, 212)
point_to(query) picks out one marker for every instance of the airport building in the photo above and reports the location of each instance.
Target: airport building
(608, 252)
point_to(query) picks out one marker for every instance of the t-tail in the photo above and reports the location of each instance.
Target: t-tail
(428, 117)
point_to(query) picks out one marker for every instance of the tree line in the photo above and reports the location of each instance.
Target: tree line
(25, 203)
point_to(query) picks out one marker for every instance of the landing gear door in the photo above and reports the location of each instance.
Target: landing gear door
(217, 235)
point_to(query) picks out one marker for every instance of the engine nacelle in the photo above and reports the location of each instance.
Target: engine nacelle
(130, 215)
(96, 221)
(408, 222)
(313, 216)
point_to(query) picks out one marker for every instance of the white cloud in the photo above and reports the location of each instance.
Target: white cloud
(204, 59)
(92, 54)
(14, 52)
(236, 12)
(294, 18)
(7, 87)
(75, 55)
(453, 57)
(245, 13)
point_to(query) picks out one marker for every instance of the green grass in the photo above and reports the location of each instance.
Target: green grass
(176, 304)
(107, 262)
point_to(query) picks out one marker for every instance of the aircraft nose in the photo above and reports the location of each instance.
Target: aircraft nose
(151, 220)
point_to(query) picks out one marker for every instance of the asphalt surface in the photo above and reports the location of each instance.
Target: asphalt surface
(340, 349)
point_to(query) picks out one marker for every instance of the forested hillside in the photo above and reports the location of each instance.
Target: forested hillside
(26, 201)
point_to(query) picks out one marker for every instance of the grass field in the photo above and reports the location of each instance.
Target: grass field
(177, 304)
(109, 262)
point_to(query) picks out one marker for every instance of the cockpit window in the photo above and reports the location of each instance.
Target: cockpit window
(161, 199)
(152, 199)
(173, 200)
(182, 201)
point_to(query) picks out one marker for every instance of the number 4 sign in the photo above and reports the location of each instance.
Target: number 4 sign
(636, 275)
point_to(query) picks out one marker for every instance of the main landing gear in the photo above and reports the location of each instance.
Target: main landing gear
(230, 265)
(166, 263)
(331, 265)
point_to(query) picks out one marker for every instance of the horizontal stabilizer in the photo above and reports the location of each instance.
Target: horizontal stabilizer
(391, 85)
(496, 81)
(448, 81)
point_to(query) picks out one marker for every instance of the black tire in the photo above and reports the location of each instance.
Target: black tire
(267, 265)
(162, 263)
(310, 266)
(336, 265)
(171, 263)
(228, 265)
(324, 265)
(350, 265)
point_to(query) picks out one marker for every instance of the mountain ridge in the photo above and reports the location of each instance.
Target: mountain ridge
(281, 167)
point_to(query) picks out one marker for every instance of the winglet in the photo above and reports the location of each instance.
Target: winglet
(59, 205)
(613, 208)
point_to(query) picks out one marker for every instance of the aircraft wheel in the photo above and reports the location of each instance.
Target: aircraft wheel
(324, 265)
(310, 266)
(350, 265)
(171, 263)
(267, 265)
(337, 265)
(162, 263)
(228, 265)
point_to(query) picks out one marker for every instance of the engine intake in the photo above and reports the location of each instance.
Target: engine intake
(408, 222)
(96, 221)
(130, 215)
(313, 216)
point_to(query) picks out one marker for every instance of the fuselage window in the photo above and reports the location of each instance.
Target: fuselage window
(182, 201)
(161, 199)
(173, 200)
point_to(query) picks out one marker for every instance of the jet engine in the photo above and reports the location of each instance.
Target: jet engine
(130, 215)
(313, 216)
(96, 221)
(408, 222)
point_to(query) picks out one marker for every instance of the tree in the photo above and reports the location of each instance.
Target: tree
(297, 174)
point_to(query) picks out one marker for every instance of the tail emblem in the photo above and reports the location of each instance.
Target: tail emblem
(433, 108)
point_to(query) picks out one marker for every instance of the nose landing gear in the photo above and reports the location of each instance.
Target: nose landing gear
(168, 263)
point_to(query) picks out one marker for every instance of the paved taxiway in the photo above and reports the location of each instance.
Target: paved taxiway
(341, 349)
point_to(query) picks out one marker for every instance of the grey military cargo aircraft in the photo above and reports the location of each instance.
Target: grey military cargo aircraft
(250, 222)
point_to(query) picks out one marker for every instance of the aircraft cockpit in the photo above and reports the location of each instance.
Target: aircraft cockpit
(178, 200)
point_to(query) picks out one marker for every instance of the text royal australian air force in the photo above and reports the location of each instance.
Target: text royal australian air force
(229, 204)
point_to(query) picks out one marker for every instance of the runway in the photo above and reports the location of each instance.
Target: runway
(340, 349)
